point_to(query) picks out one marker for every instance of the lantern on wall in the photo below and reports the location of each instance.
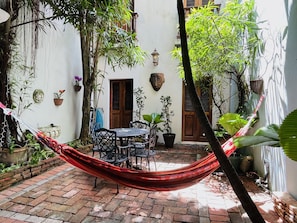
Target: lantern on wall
(155, 56)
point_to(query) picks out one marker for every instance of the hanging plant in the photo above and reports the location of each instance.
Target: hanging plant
(257, 86)
(58, 100)
(77, 80)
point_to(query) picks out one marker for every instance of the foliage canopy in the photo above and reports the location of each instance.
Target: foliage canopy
(222, 43)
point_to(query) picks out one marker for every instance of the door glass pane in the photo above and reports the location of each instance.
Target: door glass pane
(190, 3)
(205, 2)
(128, 96)
(116, 96)
(188, 102)
(204, 97)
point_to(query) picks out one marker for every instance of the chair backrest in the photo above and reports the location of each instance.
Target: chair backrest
(139, 124)
(105, 139)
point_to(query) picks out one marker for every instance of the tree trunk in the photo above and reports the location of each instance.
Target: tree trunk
(242, 93)
(230, 172)
(8, 128)
(86, 107)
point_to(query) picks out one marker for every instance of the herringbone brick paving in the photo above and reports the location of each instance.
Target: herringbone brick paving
(67, 194)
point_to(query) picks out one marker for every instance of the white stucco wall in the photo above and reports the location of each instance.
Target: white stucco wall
(156, 28)
(277, 68)
(291, 81)
(58, 59)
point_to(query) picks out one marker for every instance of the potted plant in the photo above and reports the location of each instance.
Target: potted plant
(77, 85)
(140, 97)
(168, 136)
(14, 154)
(153, 119)
(58, 100)
(19, 152)
(231, 123)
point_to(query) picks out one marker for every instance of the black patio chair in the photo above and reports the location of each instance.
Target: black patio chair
(141, 125)
(105, 143)
(146, 150)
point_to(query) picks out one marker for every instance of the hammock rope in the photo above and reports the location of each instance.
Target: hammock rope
(154, 181)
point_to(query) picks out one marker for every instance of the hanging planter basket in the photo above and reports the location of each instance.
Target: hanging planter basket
(77, 88)
(58, 101)
(257, 86)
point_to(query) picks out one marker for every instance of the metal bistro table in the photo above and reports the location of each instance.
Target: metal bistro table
(124, 133)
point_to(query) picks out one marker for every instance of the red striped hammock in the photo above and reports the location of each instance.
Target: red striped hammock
(154, 181)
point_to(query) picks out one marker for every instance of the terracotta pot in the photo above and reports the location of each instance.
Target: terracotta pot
(58, 101)
(77, 87)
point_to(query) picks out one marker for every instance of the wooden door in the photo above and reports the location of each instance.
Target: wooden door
(191, 128)
(121, 103)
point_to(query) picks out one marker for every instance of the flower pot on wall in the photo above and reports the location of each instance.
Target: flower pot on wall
(169, 139)
(77, 88)
(257, 86)
(58, 101)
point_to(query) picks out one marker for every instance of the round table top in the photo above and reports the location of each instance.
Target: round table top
(130, 132)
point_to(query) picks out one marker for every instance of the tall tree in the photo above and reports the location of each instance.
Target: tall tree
(101, 35)
(100, 27)
(230, 172)
(222, 46)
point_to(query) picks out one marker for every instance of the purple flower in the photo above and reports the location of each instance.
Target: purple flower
(77, 79)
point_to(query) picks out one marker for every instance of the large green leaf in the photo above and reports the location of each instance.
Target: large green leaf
(271, 131)
(245, 141)
(264, 136)
(232, 122)
(288, 135)
(154, 118)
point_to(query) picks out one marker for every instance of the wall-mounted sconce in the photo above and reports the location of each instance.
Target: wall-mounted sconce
(155, 56)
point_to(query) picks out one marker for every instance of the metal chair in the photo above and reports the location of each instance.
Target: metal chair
(146, 150)
(105, 143)
(141, 125)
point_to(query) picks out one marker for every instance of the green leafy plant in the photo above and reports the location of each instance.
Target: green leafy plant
(222, 46)
(273, 135)
(39, 152)
(5, 169)
(166, 113)
(232, 122)
(153, 119)
(13, 145)
(59, 94)
(140, 97)
(79, 143)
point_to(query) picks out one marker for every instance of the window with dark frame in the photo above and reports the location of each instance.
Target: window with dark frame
(131, 26)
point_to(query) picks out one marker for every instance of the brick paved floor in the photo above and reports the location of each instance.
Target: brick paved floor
(67, 194)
